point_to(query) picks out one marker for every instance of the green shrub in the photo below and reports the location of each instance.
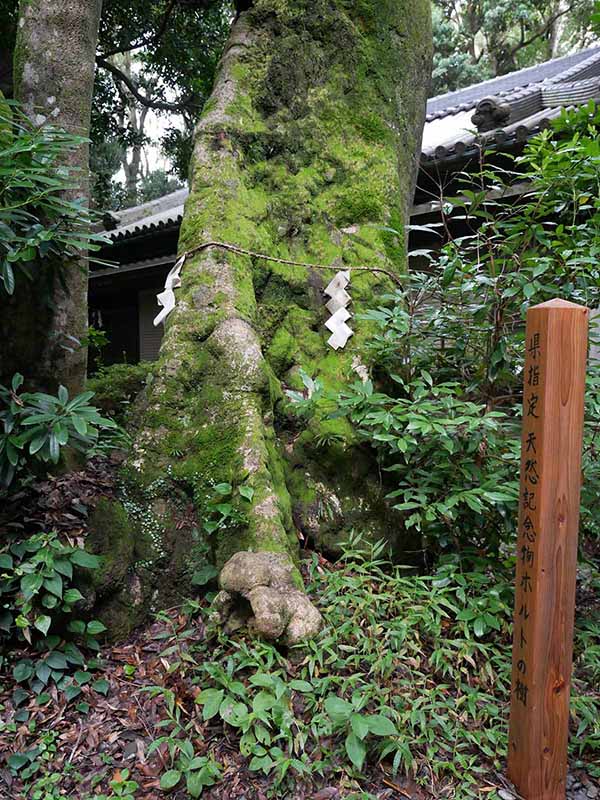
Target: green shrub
(39, 228)
(442, 409)
(450, 465)
(116, 387)
(37, 426)
(37, 587)
(39, 603)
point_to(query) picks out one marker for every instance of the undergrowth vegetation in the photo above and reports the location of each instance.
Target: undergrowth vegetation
(442, 405)
(410, 675)
(37, 427)
(41, 604)
(116, 387)
(407, 687)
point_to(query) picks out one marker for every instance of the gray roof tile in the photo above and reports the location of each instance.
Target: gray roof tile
(463, 99)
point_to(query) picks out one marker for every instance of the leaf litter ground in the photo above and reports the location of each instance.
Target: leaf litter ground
(428, 655)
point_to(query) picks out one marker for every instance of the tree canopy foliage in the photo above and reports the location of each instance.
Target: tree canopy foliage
(176, 46)
(479, 39)
(160, 56)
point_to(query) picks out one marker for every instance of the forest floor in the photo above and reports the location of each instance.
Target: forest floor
(403, 696)
(88, 752)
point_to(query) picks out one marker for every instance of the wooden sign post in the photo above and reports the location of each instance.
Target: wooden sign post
(554, 383)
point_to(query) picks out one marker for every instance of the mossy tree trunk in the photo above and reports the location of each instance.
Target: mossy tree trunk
(54, 65)
(306, 150)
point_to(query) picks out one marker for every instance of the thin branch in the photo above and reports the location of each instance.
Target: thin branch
(541, 32)
(147, 101)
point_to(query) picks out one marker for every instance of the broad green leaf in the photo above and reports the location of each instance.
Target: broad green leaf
(262, 679)
(42, 671)
(79, 424)
(42, 623)
(53, 448)
(31, 584)
(205, 574)
(339, 710)
(263, 763)
(23, 670)
(194, 783)
(211, 700)
(263, 701)
(247, 492)
(6, 561)
(359, 725)
(356, 750)
(76, 626)
(56, 660)
(64, 566)
(72, 596)
(381, 726)
(8, 277)
(95, 627)
(197, 763)
(71, 692)
(301, 686)
(17, 760)
(73, 654)
(170, 779)
(233, 713)
(101, 686)
(83, 559)
(54, 584)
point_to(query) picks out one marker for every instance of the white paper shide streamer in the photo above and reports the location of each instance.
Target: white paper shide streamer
(336, 290)
(166, 299)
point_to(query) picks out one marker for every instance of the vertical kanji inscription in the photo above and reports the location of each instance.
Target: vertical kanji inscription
(554, 383)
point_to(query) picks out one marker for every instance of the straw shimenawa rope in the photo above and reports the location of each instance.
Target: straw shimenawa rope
(234, 248)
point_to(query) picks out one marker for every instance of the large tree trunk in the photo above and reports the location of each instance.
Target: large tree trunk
(306, 150)
(53, 78)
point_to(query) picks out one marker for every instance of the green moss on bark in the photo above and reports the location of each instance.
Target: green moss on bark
(306, 149)
(112, 537)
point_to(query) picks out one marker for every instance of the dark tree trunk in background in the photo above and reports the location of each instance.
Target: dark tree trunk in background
(133, 116)
(53, 79)
(307, 149)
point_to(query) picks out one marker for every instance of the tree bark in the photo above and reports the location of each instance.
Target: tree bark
(134, 118)
(53, 77)
(306, 150)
